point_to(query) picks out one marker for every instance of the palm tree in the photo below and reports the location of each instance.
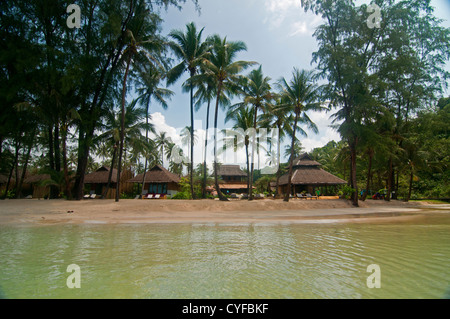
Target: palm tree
(294, 153)
(298, 96)
(243, 119)
(186, 139)
(145, 47)
(221, 68)
(161, 141)
(148, 82)
(132, 124)
(277, 117)
(192, 51)
(256, 91)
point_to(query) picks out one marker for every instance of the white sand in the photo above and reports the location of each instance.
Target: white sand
(47, 212)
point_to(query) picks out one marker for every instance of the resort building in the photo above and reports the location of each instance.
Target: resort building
(234, 180)
(158, 180)
(308, 177)
(97, 182)
(34, 185)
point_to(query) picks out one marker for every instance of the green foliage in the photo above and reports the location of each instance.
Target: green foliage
(346, 192)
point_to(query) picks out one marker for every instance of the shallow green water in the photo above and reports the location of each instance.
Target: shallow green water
(226, 260)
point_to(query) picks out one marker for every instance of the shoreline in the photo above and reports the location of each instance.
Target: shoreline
(138, 211)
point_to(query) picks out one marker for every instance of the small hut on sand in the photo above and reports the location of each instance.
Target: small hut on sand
(234, 180)
(96, 182)
(34, 184)
(158, 181)
(308, 176)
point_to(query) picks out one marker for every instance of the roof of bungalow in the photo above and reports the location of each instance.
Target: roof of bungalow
(101, 176)
(157, 174)
(306, 171)
(230, 170)
(36, 178)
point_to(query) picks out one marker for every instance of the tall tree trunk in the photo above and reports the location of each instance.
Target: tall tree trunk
(389, 181)
(122, 128)
(216, 182)
(248, 166)
(67, 190)
(252, 164)
(191, 176)
(25, 165)
(206, 148)
(369, 171)
(113, 160)
(278, 162)
(146, 156)
(16, 158)
(57, 148)
(51, 147)
(354, 184)
(291, 160)
(411, 178)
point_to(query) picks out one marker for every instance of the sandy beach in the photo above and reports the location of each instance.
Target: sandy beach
(48, 212)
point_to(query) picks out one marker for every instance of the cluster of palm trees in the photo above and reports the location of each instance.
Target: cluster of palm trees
(215, 76)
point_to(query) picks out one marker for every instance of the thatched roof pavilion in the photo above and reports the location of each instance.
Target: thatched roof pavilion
(233, 179)
(230, 171)
(157, 174)
(308, 175)
(101, 176)
(158, 180)
(37, 178)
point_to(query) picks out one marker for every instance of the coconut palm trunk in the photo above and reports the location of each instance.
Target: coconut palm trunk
(216, 182)
(252, 164)
(291, 160)
(122, 128)
(206, 148)
(191, 177)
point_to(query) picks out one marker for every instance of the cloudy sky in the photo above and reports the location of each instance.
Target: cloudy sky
(278, 35)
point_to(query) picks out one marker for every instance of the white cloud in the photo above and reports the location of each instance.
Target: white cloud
(289, 15)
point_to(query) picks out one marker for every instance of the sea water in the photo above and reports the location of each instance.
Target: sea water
(216, 260)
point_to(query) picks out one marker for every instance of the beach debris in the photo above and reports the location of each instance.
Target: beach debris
(69, 211)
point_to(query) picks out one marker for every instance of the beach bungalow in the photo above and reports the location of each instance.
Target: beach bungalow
(96, 182)
(158, 181)
(234, 180)
(33, 185)
(308, 176)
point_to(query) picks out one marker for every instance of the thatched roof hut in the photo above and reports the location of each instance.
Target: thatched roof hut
(306, 171)
(101, 176)
(308, 175)
(157, 174)
(96, 182)
(37, 178)
(230, 170)
(158, 180)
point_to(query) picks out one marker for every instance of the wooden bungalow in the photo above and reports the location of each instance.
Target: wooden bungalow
(33, 184)
(234, 179)
(308, 176)
(96, 182)
(158, 180)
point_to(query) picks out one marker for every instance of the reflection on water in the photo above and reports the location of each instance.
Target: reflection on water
(226, 260)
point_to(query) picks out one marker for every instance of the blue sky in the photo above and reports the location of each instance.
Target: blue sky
(278, 35)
